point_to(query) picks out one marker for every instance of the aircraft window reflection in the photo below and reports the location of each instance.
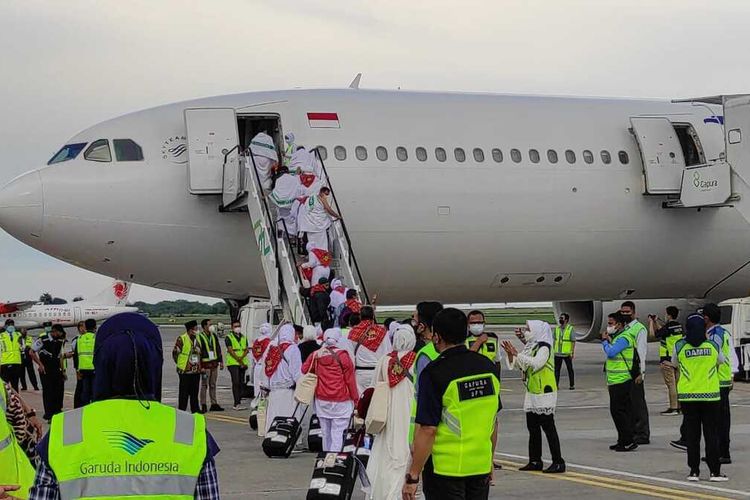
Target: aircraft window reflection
(440, 154)
(381, 153)
(98, 151)
(515, 155)
(361, 153)
(460, 155)
(421, 154)
(127, 150)
(570, 156)
(534, 155)
(606, 157)
(623, 157)
(340, 153)
(67, 152)
(478, 155)
(323, 152)
(588, 156)
(497, 155)
(401, 153)
(552, 155)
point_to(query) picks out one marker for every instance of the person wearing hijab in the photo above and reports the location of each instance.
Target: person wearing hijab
(338, 299)
(698, 359)
(126, 411)
(265, 157)
(316, 216)
(367, 342)
(336, 393)
(390, 455)
(309, 342)
(536, 363)
(281, 369)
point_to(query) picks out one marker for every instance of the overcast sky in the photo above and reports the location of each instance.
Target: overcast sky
(68, 65)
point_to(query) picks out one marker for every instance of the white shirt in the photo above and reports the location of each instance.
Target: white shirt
(541, 404)
(288, 371)
(641, 346)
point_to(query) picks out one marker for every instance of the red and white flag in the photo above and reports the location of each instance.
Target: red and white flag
(323, 120)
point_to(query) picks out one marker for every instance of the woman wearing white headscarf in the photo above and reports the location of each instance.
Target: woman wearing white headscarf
(265, 158)
(258, 351)
(282, 368)
(537, 366)
(390, 455)
(336, 392)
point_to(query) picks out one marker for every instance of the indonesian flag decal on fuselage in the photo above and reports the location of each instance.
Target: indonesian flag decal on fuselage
(323, 120)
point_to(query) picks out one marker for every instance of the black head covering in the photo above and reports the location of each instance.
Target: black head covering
(695, 330)
(191, 324)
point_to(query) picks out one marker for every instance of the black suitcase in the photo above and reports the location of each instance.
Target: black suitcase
(253, 420)
(333, 477)
(282, 436)
(315, 435)
(358, 443)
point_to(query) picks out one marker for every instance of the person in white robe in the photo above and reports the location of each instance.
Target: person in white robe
(390, 456)
(286, 191)
(282, 381)
(265, 157)
(315, 217)
(259, 378)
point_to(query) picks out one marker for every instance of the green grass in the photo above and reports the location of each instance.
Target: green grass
(180, 320)
(504, 316)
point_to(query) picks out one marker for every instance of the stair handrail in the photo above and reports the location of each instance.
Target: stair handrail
(352, 258)
(224, 170)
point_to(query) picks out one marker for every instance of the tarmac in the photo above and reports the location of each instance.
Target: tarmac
(583, 422)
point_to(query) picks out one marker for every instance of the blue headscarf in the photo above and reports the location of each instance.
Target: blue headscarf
(695, 330)
(128, 358)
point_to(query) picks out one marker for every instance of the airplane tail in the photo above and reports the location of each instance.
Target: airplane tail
(115, 295)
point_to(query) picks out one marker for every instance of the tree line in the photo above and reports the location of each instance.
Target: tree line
(182, 308)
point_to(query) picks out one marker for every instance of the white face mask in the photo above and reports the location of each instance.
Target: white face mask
(611, 329)
(237, 330)
(476, 328)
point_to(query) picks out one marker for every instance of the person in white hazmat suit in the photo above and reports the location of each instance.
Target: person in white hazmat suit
(265, 157)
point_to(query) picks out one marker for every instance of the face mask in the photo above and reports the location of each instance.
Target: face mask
(611, 329)
(10, 329)
(476, 328)
(562, 322)
(628, 317)
(237, 330)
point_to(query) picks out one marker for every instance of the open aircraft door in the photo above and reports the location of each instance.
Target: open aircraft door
(737, 130)
(211, 134)
(661, 152)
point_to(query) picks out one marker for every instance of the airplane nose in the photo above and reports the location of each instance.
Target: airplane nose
(22, 207)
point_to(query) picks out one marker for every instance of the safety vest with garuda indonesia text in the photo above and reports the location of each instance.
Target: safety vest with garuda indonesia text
(15, 467)
(121, 448)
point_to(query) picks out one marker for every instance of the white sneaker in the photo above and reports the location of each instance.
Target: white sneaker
(694, 476)
(718, 478)
(239, 407)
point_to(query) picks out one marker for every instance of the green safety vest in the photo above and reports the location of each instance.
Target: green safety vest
(564, 340)
(10, 347)
(15, 467)
(463, 443)
(618, 368)
(720, 337)
(238, 346)
(209, 342)
(432, 354)
(699, 376)
(122, 448)
(187, 350)
(536, 381)
(488, 349)
(666, 345)
(85, 348)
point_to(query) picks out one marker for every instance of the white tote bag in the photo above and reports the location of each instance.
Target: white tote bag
(377, 414)
(304, 393)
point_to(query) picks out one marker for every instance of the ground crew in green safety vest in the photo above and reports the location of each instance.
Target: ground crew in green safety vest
(457, 405)
(237, 351)
(668, 334)
(83, 359)
(10, 354)
(565, 349)
(619, 347)
(187, 356)
(537, 367)
(730, 365)
(212, 361)
(126, 443)
(15, 468)
(698, 358)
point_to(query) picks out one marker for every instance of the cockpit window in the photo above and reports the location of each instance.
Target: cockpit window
(127, 150)
(67, 152)
(98, 151)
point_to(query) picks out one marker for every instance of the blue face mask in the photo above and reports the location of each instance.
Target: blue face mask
(10, 329)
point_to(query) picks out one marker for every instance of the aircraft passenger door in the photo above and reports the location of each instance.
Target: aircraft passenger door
(737, 130)
(77, 316)
(661, 152)
(211, 133)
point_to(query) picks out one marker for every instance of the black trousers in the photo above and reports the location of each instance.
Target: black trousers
(11, 374)
(437, 487)
(621, 409)
(568, 366)
(641, 429)
(28, 368)
(189, 386)
(536, 424)
(725, 422)
(703, 415)
(238, 380)
(84, 393)
(53, 392)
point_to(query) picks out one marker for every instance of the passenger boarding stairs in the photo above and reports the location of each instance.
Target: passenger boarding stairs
(242, 191)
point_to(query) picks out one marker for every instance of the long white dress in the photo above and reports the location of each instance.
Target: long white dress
(315, 221)
(281, 398)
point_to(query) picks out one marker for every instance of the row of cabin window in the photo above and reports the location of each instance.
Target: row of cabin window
(381, 153)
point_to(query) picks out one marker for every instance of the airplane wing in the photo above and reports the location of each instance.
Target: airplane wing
(11, 307)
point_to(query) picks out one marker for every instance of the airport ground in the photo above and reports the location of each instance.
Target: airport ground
(656, 470)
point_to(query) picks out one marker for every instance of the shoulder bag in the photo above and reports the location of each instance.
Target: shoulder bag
(377, 414)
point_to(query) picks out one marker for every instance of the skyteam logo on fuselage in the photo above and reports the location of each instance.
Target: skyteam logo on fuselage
(126, 442)
(717, 119)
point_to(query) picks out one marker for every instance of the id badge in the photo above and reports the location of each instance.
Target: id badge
(211, 355)
(194, 359)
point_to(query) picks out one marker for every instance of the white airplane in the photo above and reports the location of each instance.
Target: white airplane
(108, 303)
(459, 197)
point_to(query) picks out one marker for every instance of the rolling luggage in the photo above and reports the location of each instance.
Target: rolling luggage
(283, 435)
(315, 435)
(359, 443)
(333, 477)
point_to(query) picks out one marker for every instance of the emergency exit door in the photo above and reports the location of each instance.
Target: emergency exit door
(211, 133)
(661, 152)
